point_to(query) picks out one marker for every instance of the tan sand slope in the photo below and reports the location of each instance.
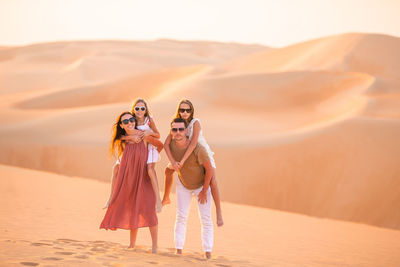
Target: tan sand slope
(50, 219)
(70, 64)
(311, 128)
(371, 53)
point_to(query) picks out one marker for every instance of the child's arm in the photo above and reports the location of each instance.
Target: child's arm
(168, 152)
(135, 138)
(155, 142)
(155, 133)
(193, 143)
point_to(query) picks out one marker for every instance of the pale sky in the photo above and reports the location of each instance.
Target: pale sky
(273, 23)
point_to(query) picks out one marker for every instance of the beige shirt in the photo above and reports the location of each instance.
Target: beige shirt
(192, 172)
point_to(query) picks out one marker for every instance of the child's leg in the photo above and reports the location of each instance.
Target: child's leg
(217, 199)
(168, 185)
(154, 238)
(133, 235)
(154, 182)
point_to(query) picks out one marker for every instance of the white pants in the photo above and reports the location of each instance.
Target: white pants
(183, 199)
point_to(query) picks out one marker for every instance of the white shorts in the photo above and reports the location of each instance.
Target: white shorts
(153, 155)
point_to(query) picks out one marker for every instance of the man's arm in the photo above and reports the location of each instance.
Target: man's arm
(209, 172)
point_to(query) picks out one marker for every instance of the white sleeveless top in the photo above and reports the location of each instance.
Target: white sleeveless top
(145, 126)
(201, 140)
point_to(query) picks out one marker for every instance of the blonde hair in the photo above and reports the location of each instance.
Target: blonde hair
(139, 100)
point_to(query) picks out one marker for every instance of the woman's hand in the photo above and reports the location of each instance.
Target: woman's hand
(107, 204)
(137, 138)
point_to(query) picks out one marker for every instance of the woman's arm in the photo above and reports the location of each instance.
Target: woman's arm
(193, 143)
(168, 152)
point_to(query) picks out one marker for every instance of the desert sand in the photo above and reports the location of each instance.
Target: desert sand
(311, 129)
(53, 220)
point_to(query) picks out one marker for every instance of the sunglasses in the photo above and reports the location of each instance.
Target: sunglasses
(177, 129)
(126, 121)
(187, 110)
(140, 108)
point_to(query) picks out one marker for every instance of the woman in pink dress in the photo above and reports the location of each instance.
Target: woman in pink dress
(132, 201)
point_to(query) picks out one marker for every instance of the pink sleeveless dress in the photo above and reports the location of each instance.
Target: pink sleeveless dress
(133, 202)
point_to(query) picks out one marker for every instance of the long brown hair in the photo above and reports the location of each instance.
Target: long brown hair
(139, 100)
(118, 132)
(185, 101)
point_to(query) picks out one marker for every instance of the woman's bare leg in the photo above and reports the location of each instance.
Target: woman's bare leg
(217, 199)
(154, 238)
(154, 182)
(168, 185)
(133, 235)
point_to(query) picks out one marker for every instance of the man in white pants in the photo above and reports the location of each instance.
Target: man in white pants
(194, 180)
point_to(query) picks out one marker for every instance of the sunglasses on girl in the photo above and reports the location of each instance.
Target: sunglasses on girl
(177, 129)
(140, 108)
(126, 121)
(187, 110)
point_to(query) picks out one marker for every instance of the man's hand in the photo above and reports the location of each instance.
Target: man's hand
(202, 197)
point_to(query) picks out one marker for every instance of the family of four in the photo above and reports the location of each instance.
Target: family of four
(135, 199)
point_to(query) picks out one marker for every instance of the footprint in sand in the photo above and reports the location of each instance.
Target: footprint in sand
(112, 256)
(66, 240)
(38, 244)
(82, 257)
(65, 253)
(97, 249)
(52, 258)
(27, 263)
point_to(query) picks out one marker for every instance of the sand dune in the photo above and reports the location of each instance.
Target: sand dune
(370, 53)
(311, 128)
(71, 64)
(49, 219)
(148, 86)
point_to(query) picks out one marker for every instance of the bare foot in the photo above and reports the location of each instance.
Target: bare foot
(158, 206)
(166, 201)
(131, 247)
(208, 255)
(220, 221)
(179, 251)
